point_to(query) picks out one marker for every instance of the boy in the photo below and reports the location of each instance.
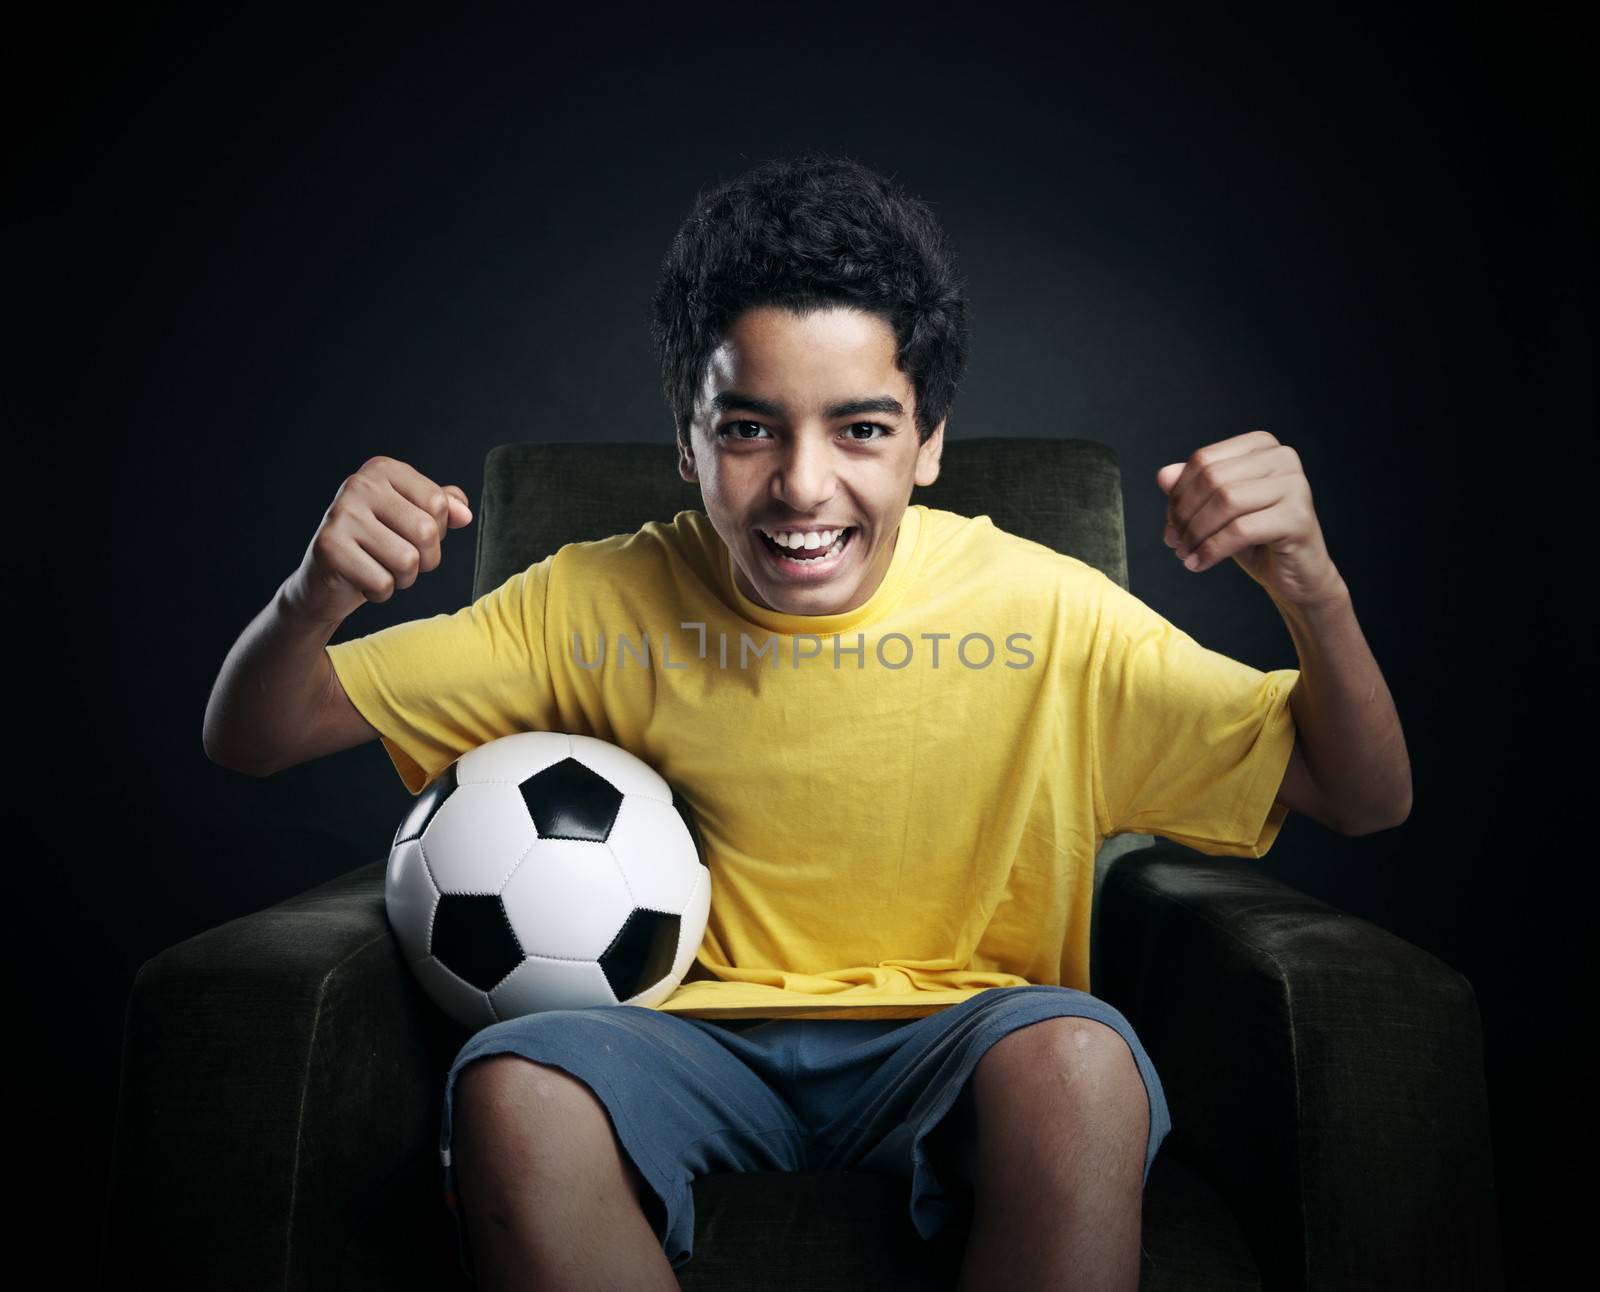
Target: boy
(903, 733)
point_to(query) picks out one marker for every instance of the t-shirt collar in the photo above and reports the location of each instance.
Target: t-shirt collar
(879, 603)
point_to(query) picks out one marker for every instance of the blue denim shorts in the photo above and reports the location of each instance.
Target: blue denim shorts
(690, 1096)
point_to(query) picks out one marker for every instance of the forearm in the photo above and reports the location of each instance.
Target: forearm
(1348, 730)
(273, 681)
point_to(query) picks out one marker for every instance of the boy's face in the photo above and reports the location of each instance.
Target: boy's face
(805, 424)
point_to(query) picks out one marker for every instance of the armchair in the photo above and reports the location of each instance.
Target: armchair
(277, 1117)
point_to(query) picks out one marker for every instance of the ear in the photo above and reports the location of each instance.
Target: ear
(928, 455)
(686, 463)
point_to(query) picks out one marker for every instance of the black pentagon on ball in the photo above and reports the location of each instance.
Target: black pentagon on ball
(473, 939)
(642, 953)
(427, 806)
(570, 801)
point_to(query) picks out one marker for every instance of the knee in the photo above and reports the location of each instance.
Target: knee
(1065, 1058)
(500, 1086)
(504, 1102)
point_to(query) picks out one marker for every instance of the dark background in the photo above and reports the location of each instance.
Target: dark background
(256, 249)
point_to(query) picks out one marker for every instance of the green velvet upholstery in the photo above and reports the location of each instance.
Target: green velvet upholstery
(277, 1117)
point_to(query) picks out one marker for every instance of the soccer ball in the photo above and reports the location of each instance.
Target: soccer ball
(547, 871)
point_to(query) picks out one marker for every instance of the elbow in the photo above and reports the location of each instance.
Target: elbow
(211, 741)
(1402, 807)
(224, 758)
(1395, 814)
(226, 752)
(1405, 807)
(213, 753)
(1374, 826)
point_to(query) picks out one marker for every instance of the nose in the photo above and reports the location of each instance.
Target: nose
(804, 479)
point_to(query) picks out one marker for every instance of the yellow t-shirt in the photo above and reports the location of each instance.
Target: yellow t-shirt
(900, 804)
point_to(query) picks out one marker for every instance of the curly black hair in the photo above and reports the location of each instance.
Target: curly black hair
(802, 233)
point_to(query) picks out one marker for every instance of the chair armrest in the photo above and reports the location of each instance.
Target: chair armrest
(1327, 1075)
(276, 1071)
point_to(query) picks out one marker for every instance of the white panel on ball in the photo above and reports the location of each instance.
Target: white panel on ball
(477, 837)
(512, 759)
(567, 899)
(410, 897)
(539, 983)
(655, 853)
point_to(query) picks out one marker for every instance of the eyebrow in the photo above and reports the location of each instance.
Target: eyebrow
(728, 400)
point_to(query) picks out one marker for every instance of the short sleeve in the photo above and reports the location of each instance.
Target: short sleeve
(1189, 743)
(435, 688)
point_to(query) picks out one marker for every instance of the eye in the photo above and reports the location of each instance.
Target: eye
(722, 431)
(871, 426)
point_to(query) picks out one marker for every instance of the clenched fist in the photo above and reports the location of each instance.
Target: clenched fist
(383, 528)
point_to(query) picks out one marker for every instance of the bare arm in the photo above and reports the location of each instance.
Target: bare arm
(277, 697)
(1247, 497)
(277, 701)
(1355, 776)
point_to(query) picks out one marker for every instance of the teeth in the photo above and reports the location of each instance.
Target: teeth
(811, 541)
(834, 550)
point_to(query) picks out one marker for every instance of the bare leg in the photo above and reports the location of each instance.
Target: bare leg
(549, 1197)
(1057, 1170)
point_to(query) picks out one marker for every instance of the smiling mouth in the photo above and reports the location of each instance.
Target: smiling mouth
(803, 560)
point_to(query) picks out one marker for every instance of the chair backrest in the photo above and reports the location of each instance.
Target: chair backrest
(1066, 494)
